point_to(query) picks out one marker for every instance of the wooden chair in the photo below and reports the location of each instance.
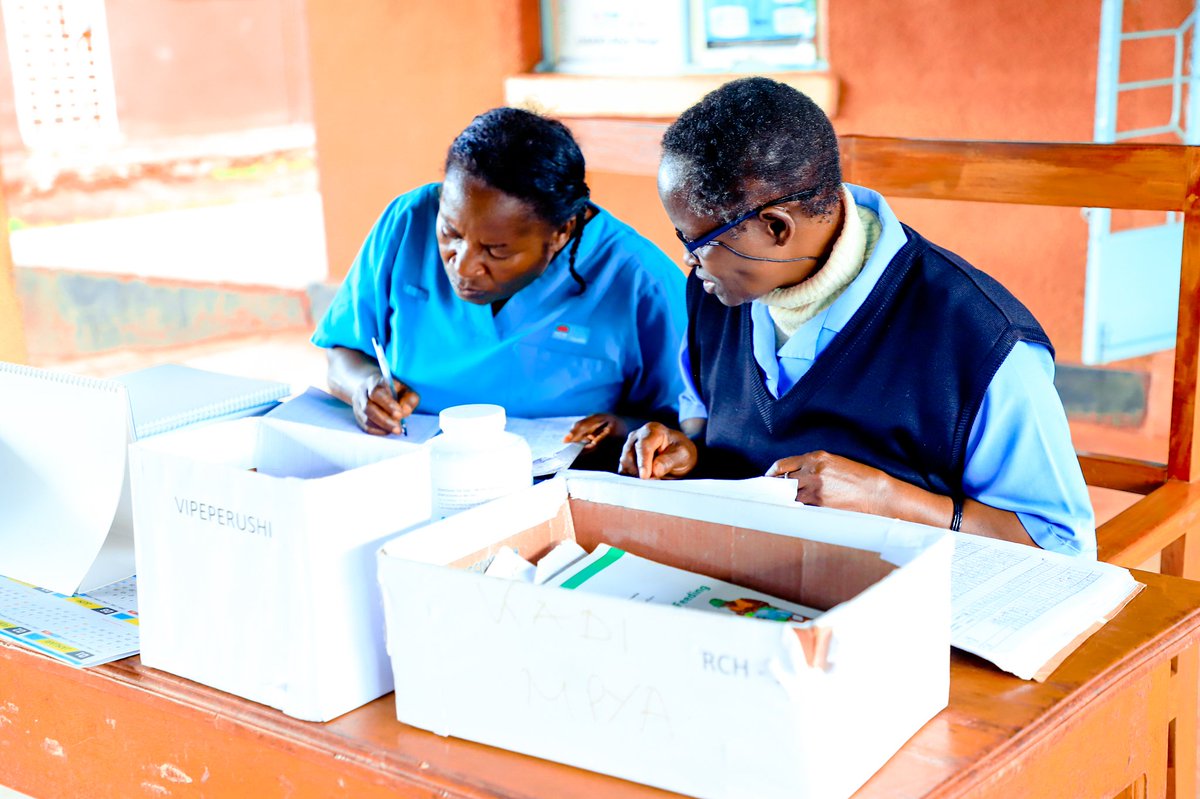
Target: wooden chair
(1127, 176)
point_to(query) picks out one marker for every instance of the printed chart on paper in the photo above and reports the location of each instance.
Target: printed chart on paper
(82, 630)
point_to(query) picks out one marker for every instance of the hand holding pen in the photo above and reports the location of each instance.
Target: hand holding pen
(387, 402)
(591, 430)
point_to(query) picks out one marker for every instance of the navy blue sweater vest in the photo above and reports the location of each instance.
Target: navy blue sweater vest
(897, 389)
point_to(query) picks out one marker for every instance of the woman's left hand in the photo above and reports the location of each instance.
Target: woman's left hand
(836, 482)
(591, 430)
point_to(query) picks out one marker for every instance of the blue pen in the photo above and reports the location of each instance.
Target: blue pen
(387, 377)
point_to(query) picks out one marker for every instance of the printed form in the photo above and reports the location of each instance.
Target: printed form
(1026, 609)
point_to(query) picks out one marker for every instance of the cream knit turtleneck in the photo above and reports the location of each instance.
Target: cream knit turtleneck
(792, 306)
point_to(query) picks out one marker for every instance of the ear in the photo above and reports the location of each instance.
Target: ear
(560, 237)
(779, 224)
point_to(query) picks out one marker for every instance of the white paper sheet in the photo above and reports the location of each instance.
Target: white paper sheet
(545, 435)
(508, 565)
(321, 409)
(63, 441)
(557, 559)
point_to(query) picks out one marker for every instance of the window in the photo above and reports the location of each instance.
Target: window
(625, 37)
(651, 59)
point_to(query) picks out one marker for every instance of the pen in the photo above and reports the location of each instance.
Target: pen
(387, 377)
(595, 434)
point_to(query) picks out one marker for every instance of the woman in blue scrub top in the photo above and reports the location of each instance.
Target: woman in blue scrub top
(829, 344)
(504, 284)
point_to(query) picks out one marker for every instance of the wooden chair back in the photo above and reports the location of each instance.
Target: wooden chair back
(1124, 176)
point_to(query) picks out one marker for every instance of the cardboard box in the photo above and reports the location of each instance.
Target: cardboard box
(704, 704)
(262, 583)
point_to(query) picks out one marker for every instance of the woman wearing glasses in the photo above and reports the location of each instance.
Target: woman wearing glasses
(505, 284)
(830, 344)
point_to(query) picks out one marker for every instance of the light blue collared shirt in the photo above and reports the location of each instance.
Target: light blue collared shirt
(1019, 453)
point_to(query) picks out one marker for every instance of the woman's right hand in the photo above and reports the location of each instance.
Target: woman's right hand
(375, 410)
(655, 451)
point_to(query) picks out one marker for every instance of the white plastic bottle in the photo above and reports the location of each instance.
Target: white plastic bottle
(474, 460)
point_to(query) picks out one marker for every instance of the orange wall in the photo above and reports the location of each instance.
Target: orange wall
(210, 67)
(393, 84)
(924, 68)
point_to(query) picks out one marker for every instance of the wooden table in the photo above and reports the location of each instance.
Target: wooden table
(1117, 719)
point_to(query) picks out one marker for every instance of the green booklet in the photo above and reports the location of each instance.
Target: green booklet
(615, 572)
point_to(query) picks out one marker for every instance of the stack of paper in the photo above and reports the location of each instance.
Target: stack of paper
(1026, 609)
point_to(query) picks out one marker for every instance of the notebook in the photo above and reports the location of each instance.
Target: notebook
(65, 513)
(170, 396)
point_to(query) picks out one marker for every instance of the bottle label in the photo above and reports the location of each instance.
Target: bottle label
(454, 498)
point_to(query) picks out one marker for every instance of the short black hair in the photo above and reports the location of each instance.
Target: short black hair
(754, 129)
(530, 157)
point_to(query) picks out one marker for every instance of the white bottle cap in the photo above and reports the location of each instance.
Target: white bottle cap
(472, 420)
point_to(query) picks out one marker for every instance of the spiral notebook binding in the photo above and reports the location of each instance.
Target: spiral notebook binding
(202, 413)
(66, 378)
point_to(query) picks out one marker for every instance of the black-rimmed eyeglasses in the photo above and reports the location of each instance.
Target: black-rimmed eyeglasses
(708, 238)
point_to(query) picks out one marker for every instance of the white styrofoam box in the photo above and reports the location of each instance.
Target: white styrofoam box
(704, 704)
(256, 543)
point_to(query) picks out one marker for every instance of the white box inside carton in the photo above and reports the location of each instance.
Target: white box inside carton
(256, 543)
(695, 702)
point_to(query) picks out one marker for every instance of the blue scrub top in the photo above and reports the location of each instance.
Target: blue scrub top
(550, 351)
